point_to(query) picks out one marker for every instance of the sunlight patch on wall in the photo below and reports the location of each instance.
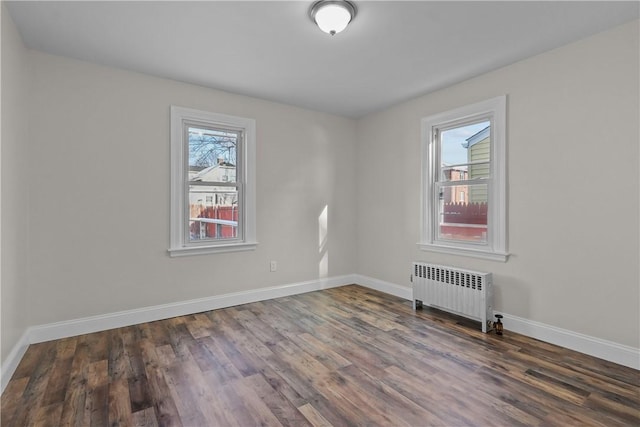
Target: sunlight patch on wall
(323, 229)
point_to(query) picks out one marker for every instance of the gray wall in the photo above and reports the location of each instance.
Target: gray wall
(99, 191)
(14, 173)
(572, 142)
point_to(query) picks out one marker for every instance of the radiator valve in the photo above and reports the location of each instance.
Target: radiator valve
(498, 324)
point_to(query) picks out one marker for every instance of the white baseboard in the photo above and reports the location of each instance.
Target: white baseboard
(86, 325)
(603, 349)
(382, 286)
(13, 359)
(120, 319)
(607, 350)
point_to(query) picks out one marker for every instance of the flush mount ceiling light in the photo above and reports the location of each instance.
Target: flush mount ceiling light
(332, 16)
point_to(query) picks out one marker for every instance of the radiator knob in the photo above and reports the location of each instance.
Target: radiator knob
(498, 324)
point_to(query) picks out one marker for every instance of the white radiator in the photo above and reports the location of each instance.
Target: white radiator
(462, 292)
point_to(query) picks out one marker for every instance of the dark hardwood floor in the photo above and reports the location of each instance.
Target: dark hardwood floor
(342, 357)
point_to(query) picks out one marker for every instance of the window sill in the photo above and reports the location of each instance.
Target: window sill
(203, 250)
(475, 253)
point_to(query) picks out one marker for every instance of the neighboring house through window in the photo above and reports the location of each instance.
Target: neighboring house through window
(464, 155)
(212, 182)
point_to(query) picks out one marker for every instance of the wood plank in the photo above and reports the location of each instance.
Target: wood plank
(119, 359)
(97, 401)
(31, 359)
(321, 351)
(166, 412)
(134, 343)
(284, 382)
(193, 395)
(262, 331)
(99, 345)
(144, 418)
(626, 410)
(261, 413)
(10, 403)
(73, 408)
(48, 416)
(313, 416)
(164, 405)
(282, 408)
(183, 386)
(219, 368)
(32, 395)
(400, 409)
(200, 326)
(437, 405)
(119, 403)
(165, 355)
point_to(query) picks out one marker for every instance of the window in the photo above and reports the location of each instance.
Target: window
(464, 154)
(212, 182)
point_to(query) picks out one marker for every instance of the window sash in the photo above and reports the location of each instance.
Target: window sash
(240, 143)
(471, 233)
(213, 240)
(439, 182)
(238, 184)
(213, 183)
(462, 182)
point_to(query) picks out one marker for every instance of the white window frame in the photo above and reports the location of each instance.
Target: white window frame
(496, 246)
(179, 244)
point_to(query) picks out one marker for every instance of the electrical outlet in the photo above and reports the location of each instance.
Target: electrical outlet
(273, 266)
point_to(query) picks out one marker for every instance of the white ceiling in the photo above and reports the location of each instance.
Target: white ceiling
(391, 52)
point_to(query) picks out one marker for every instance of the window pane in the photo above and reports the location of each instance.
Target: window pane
(213, 213)
(465, 144)
(465, 172)
(462, 213)
(212, 154)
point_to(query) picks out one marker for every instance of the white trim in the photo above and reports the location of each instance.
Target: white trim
(13, 359)
(207, 249)
(492, 256)
(596, 347)
(216, 221)
(120, 319)
(382, 286)
(87, 325)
